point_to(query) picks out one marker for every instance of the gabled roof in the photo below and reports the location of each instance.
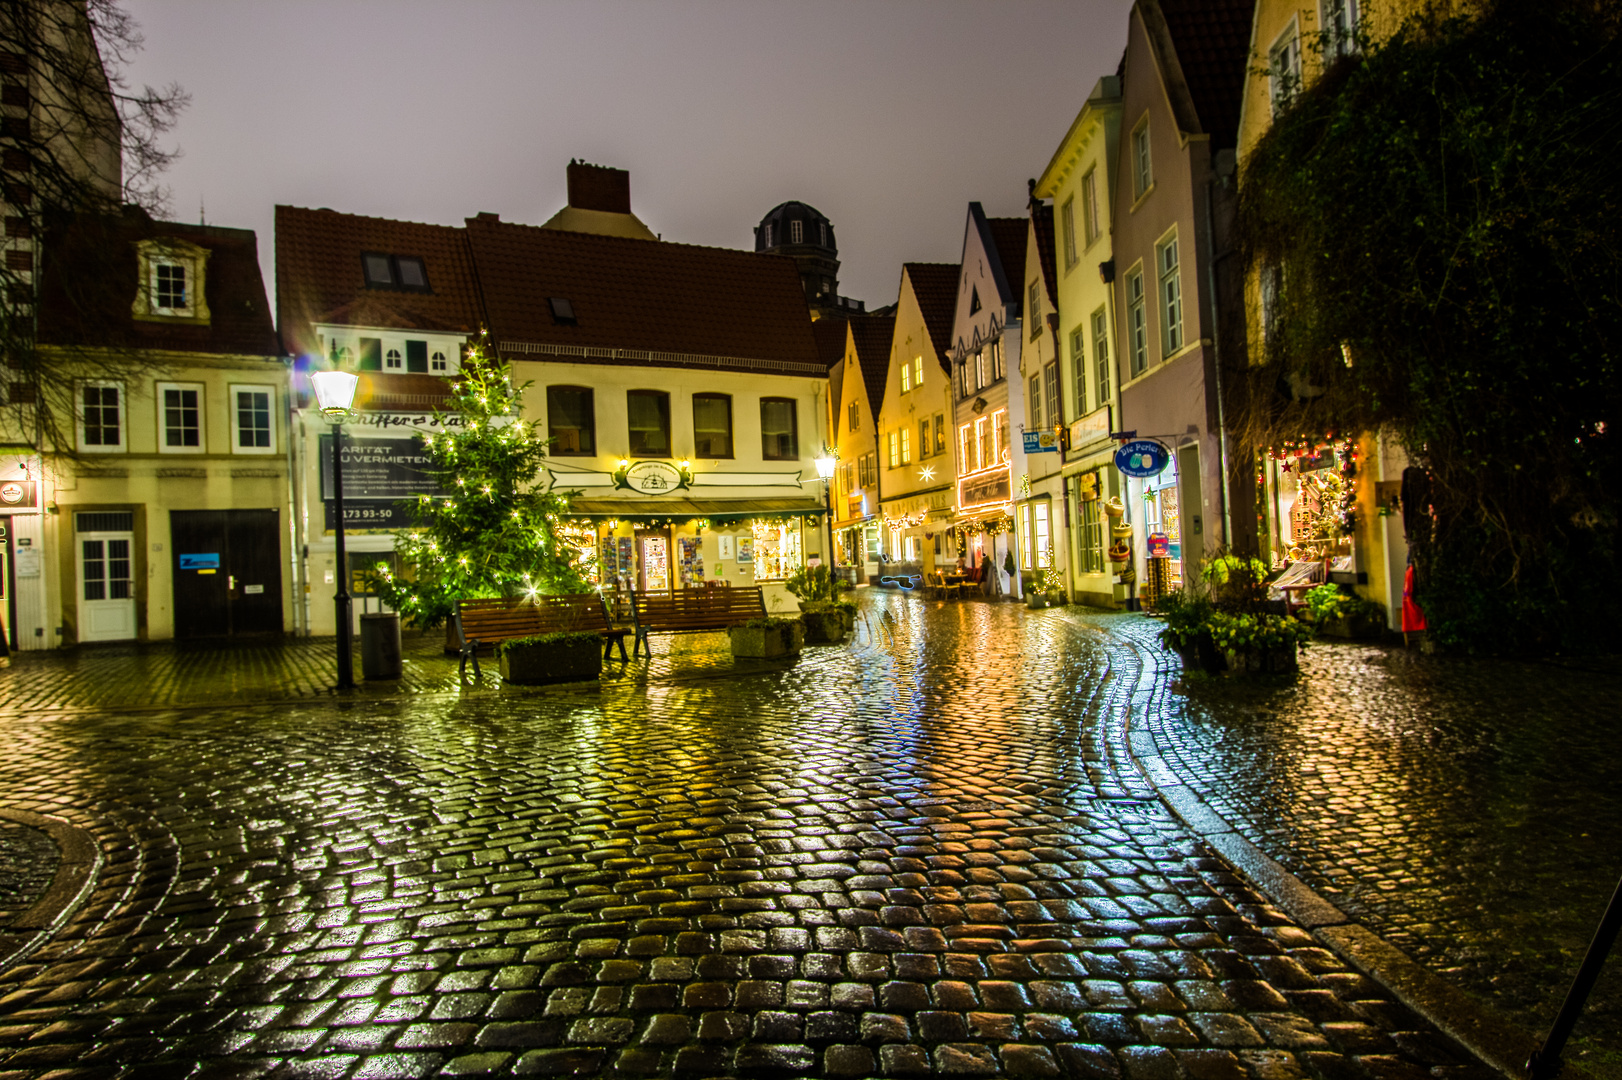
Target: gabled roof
(319, 274)
(1042, 227)
(934, 287)
(1009, 235)
(371, 310)
(1209, 43)
(91, 277)
(630, 294)
(871, 337)
(830, 335)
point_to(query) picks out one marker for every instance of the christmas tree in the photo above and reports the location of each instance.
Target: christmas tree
(495, 529)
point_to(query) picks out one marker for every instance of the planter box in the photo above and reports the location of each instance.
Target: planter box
(1262, 661)
(1353, 628)
(1036, 601)
(1203, 655)
(536, 665)
(764, 643)
(825, 627)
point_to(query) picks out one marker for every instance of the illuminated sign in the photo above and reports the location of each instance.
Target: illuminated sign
(653, 478)
(984, 488)
(1142, 457)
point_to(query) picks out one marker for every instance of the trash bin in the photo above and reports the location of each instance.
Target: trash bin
(380, 646)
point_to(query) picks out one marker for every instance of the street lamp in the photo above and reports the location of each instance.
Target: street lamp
(335, 395)
(825, 469)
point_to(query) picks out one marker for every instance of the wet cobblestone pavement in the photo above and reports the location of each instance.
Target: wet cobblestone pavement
(1469, 811)
(928, 854)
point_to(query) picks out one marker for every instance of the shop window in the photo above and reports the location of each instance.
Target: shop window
(779, 429)
(253, 424)
(648, 421)
(571, 420)
(101, 417)
(180, 418)
(712, 425)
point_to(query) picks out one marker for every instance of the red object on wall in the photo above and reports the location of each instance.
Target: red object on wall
(1413, 617)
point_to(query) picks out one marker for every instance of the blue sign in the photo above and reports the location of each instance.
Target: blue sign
(1142, 457)
(200, 562)
(1041, 441)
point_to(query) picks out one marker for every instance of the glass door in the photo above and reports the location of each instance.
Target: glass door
(106, 593)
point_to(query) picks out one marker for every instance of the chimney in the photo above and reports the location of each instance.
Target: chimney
(594, 187)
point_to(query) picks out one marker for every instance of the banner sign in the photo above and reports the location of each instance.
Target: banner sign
(366, 513)
(1041, 441)
(982, 489)
(379, 469)
(1159, 545)
(1142, 457)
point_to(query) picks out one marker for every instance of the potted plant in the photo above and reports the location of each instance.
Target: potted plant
(564, 656)
(1035, 598)
(767, 637)
(1337, 613)
(1257, 643)
(827, 619)
(1186, 613)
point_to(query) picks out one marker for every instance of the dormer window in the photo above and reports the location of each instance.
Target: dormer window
(171, 287)
(392, 360)
(562, 311)
(402, 273)
(796, 232)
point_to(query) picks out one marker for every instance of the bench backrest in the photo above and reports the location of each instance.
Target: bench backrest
(698, 608)
(502, 619)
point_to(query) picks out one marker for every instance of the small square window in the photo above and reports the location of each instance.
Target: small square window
(180, 418)
(253, 424)
(101, 417)
(562, 311)
(412, 273)
(170, 291)
(437, 363)
(393, 361)
(378, 270)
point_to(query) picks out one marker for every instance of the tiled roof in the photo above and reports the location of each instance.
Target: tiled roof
(1009, 234)
(934, 286)
(1212, 38)
(371, 310)
(830, 335)
(630, 294)
(872, 337)
(1042, 223)
(319, 274)
(90, 281)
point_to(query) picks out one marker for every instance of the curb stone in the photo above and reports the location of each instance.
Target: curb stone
(75, 878)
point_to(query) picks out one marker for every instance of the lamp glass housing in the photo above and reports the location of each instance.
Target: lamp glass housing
(825, 466)
(334, 391)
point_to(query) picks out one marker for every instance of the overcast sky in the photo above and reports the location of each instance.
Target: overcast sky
(887, 116)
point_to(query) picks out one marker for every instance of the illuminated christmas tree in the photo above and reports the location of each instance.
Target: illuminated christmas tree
(495, 530)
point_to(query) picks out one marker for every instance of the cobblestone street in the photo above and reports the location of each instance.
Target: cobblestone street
(928, 852)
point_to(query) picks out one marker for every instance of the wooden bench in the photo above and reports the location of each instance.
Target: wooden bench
(490, 622)
(691, 610)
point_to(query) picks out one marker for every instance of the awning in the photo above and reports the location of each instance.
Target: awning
(686, 509)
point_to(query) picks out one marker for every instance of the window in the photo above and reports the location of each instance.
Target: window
(1067, 216)
(1267, 286)
(1284, 67)
(923, 439)
(1036, 402)
(906, 446)
(1089, 206)
(1142, 177)
(906, 378)
(180, 418)
(1041, 535)
(252, 425)
(1101, 360)
(822, 233)
(1137, 322)
(984, 455)
(169, 288)
(371, 354)
(1171, 296)
(999, 436)
(980, 379)
(796, 232)
(940, 433)
(416, 357)
(571, 420)
(999, 363)
(648, 421)
(779, 429)
(106, 568)
(437, 363)
(1050, 376)
(1078, 364)
(895, 449)
(1033, 310)
(1092, 538)
(854, 414)
(562, 311)
(393, 361)
(403, 273)
(101, 416)
(965, 462)
(712, 425)
(918, 372)
(870, 469)
(766, 230)
(1339, 21)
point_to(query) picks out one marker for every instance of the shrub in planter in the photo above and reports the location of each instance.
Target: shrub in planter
(762, 639)
(1341, 614)
(1187, 632)
(1257, 643)
(566, 656)
(826, 621)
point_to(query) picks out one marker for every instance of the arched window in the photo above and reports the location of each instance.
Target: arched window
(392, 360)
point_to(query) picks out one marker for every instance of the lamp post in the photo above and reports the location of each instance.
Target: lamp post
(335, 395)
(825, 469)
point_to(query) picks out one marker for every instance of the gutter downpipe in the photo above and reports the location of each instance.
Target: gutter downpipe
(1216, 354)
(292, 502)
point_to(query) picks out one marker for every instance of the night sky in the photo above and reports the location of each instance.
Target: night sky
(888, 117)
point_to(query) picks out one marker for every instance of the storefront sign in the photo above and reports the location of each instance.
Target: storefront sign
(208, 561)
(654, 478)
(984, 488)
(379, 469)
(1041, 441)
(1142, 457)
(1094, 427)
(1159, 545)
(367, 513)
(17, 496)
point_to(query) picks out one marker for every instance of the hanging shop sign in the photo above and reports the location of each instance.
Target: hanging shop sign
(653, 477)
(1142, 457)
(1041, 441)
(17, 497)
(984, 488)
(1159, 545)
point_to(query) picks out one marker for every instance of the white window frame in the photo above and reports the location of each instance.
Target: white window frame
(1101, 357)
(1143, 177)
(1137, 321)
(188, 267)
(980, 423)
(1078, 367)
(123, 416)
(163, 422)
(1169, 292)
(1042, 533)
(1089, 206)
(393, 359)
(906, 378)
(894, 446)
(236, 425)
(1284, 68)
(1034, 392)
(796, 232)
(439, 362)
(918, 371)
(906, 446)
(1067, 216)
(999, 437)
(1342, 39)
